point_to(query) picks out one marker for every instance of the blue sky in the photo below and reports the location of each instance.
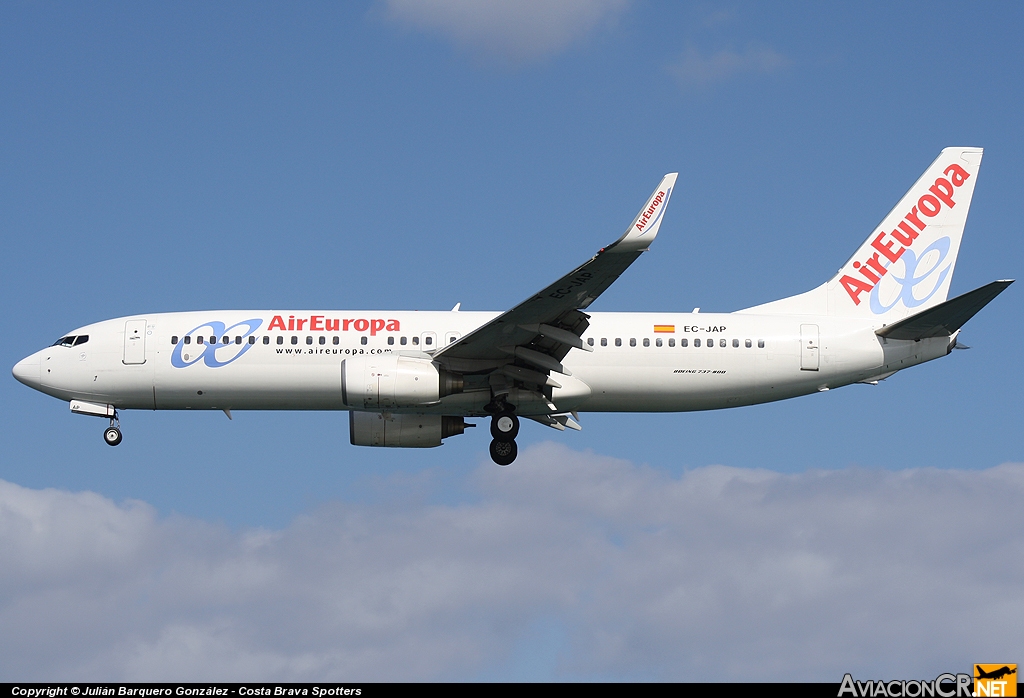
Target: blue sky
(413, 155)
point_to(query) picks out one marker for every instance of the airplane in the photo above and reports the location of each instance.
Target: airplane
(412, 379)
(995, 674)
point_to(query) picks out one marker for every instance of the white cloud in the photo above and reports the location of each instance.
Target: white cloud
(720, 574)
(694, 69)
(516, 30)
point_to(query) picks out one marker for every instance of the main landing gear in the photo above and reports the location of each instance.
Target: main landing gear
(504, 428)
(112, 434)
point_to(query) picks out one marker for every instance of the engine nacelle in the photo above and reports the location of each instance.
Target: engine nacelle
(402, 430)
(387, 381)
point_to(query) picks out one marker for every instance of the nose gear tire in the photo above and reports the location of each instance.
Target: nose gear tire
(112, 435)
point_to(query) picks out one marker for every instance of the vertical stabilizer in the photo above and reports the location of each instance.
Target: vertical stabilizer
(906, 264)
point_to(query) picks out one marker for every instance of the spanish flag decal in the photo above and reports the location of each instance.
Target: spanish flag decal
(665, 328)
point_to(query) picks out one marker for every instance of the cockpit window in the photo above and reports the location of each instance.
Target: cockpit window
(81, 339)
(65, 342)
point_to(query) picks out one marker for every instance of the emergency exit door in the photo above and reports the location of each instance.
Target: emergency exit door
(808, 347)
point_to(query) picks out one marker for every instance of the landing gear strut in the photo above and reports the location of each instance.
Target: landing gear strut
(112, 434)
(504, 428)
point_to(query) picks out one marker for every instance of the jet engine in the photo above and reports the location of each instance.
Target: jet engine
(387, 381)
(402, 430)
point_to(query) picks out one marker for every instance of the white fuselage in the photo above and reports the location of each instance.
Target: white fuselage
(290, 360)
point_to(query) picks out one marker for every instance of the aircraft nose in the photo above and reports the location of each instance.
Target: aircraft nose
(27, 371)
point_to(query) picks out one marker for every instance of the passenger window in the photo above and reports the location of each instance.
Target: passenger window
(632, 341)
(711, 342)
(590, 341)
(747, 343)
(174, 340)
(647, 342)
(604, 341)
(760, 344)
(696, 342)
(266, 339)
(415, 340)
(362, 340)
(672, 341)
(295, 340)
(657, 342)
(188, 340)
(280, 339)
(199, 339)
(252, 339)
(391, 340)
(722, 343)
(238, 340)
(428, 340)
(309, 340)
(618, 341)
(335, 340)
(735, 343)
(213, 340)
(323, 340)
(403, 341)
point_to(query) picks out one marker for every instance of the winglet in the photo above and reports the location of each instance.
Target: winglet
(644, 229)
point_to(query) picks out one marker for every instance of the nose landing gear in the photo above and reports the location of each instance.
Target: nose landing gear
(112, 434)
(504, 428)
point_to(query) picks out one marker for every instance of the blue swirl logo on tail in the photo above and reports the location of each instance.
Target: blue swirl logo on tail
(911, 279)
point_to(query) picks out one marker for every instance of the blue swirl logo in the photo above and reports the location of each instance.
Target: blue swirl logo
(214, 355)
(911, 279)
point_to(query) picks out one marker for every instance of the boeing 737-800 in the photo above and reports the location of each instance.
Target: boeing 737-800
(411, 379)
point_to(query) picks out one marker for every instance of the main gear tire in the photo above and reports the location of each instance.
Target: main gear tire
(503, 452)
(504, 427)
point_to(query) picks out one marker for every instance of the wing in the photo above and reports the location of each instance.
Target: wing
(531, 339)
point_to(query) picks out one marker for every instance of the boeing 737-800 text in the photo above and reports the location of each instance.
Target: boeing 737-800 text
(410, 379)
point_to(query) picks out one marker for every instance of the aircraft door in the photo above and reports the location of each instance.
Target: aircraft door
(135, 342)
(808, 347)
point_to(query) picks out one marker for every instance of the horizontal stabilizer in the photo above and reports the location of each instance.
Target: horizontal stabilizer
(945, 318)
